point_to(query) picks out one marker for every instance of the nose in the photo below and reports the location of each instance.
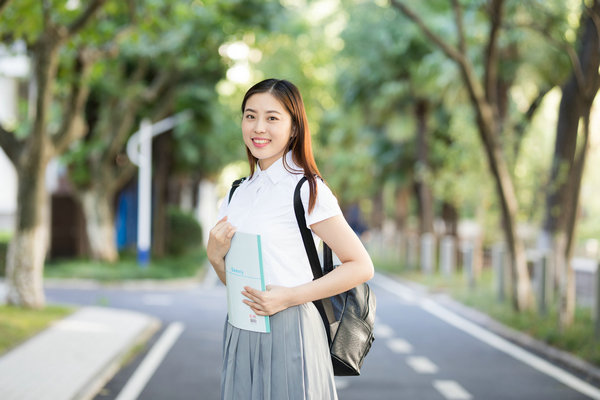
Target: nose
(259, 126)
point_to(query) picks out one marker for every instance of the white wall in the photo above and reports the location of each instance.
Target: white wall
(8, 193)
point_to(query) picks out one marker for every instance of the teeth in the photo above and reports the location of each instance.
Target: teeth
(261, 141)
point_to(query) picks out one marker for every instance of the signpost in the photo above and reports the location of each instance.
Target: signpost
(139, 151)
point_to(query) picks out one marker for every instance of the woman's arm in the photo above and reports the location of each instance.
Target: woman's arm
(219, 241)
(355, 269)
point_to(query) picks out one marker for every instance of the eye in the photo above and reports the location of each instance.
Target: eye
(249, 116)
(271, 118)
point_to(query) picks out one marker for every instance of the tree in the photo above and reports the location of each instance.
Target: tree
(486, 102)
(403, 87)
(166, 65)
(49, 32)
(571, 146)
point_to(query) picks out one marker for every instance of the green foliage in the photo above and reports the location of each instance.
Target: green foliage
(184, 232)
(21, 20)
(184, 266)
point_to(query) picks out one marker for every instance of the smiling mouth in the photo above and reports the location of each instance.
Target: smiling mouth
(260, 142)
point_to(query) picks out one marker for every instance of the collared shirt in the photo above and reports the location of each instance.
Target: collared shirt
(264, 205)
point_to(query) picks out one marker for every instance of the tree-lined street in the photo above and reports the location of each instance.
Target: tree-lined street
(459, 137)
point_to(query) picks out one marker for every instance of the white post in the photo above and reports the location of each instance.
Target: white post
(144, 193)
(596, 307)
(427, 252)
(467, 256)
(498, 266)
(447, 255)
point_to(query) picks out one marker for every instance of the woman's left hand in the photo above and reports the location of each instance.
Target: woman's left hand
(267, 302)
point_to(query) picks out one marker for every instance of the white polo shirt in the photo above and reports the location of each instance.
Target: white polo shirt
(264, 205)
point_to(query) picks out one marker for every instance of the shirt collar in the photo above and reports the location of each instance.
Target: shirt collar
(277, 170)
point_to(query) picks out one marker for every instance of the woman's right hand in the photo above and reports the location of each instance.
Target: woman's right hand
(219, 241)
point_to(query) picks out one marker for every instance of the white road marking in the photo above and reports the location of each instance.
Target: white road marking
(157, 300)
(422, 365)
(146, 369)
(395, 287)
(497, 342)
(383, 331)
(511, 349)
(399, 346)
(451, 390)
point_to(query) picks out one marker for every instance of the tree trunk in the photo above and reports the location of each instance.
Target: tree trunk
(423, 189)
(522, 295)
(27, 249)
(402, 207)
(568, 164)
(377, 213)
(450, 217)
(162, 154)
(97, 207)
(484, 98)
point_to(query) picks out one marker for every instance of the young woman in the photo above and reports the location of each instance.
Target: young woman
(292, 361)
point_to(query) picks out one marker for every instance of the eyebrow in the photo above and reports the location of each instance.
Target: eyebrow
(268, 111)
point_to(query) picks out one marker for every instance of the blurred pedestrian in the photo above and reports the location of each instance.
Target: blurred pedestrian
(292, 361)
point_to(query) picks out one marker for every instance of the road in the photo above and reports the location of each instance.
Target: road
(421, 351)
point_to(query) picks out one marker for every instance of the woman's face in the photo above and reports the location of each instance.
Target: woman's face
(266, 128)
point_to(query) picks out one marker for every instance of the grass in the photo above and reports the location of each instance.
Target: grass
(578, 339)
(187, 265)
(19, 324)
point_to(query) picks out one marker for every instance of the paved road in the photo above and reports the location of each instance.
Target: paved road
(421, 351)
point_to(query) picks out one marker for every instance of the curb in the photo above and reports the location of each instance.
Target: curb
(104, 375)
(581, 367)
(139, 284)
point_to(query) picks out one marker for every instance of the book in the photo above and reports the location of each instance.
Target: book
(244, 267)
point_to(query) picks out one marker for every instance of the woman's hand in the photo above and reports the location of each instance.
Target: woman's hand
(269, 302)
(219, 242)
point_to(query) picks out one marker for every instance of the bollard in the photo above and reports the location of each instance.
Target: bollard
(597, 308)
(427, 252)
(498, 266)
(411, 252)
(467, 256)
(447, 258)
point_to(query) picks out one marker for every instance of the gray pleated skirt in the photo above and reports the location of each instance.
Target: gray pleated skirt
(290, 363)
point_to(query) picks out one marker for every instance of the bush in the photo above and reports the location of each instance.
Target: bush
(184, 232)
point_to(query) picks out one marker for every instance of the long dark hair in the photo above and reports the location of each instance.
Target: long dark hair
(300, 143)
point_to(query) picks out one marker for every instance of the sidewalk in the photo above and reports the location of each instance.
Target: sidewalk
(75, 357)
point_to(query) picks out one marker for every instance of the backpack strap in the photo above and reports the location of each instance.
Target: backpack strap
(309, 244)
(324, 306)
(234, 186)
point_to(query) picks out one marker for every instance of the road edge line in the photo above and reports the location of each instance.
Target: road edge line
(151, 362)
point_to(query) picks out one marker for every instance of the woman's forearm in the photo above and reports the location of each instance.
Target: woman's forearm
(341, 279)
(219, 267)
